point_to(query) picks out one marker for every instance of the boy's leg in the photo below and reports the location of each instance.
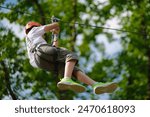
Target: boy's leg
(98, 87)
(69, 66)
(66, 82)
(83, 78)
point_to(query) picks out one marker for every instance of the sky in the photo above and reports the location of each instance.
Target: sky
(16, 28)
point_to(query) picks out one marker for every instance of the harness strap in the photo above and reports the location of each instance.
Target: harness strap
(56, 64)
(34, 48)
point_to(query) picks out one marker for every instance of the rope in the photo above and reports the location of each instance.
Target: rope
(101, 27)
(87, 25)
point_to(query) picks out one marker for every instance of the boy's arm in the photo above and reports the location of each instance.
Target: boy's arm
(51, 27)
(55, 41)
(54, 28)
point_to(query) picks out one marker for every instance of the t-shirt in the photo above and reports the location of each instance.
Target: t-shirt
(33, 38)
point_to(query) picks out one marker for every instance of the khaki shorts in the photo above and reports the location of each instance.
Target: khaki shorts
(46, 58)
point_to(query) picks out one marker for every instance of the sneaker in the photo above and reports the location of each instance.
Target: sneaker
(100, 87)
(69, 84)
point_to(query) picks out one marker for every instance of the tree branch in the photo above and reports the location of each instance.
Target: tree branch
(7, 81)
(42, 15)
(40, 10)
(74, 31)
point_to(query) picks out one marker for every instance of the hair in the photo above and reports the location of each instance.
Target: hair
(28, 30)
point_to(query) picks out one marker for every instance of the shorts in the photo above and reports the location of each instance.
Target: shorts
(47, 57)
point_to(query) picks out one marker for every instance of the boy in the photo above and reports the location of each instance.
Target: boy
(53, 58)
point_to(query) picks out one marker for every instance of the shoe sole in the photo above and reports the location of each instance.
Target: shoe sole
(73, 87)
(108, 88)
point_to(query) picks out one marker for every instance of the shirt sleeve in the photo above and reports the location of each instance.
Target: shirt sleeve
(37, 31)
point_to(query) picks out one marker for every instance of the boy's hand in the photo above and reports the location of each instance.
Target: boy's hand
(55, 31)
(56, 28)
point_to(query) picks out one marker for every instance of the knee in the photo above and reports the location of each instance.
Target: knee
(71, 57)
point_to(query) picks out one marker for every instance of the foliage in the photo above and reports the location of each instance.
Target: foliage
(130, 67)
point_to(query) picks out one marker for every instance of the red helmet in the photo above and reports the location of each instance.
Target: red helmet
(31, 24)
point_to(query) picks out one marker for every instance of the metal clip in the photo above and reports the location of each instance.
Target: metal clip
(54, 19)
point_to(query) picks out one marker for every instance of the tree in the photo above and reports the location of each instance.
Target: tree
(29, 86)
(130, 67)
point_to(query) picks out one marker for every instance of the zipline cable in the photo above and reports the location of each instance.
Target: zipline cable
(87, 25)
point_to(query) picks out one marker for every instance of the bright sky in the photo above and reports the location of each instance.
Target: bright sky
(16, 28)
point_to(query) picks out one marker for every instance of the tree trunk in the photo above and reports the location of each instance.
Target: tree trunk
(74, 31)
(40, 10)
(145, 37)
(148, 91)
(42, 15)
(7, 82)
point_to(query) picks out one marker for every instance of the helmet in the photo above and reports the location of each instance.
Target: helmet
(31, 24)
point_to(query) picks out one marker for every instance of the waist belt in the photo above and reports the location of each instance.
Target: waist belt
(33, 49)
